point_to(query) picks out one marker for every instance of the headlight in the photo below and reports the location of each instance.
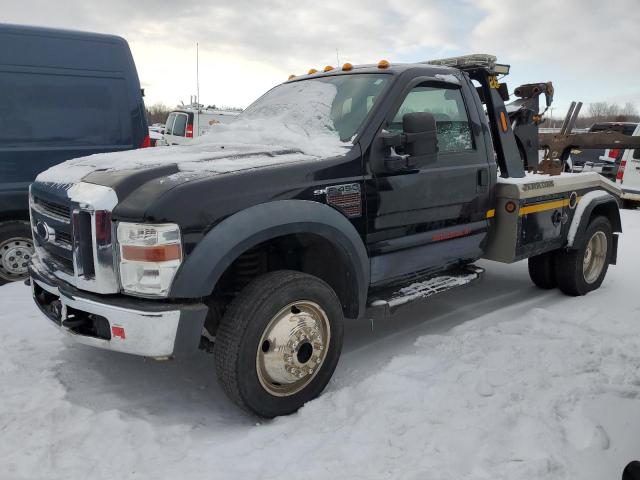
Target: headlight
(149, 257)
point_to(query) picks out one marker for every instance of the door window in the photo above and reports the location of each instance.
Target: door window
(180, 125)
(168, 126)
(447, 106)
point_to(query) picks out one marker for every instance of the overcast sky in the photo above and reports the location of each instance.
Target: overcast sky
(588, 48)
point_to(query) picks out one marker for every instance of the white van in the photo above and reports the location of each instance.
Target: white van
(629, 175)
(183, 125)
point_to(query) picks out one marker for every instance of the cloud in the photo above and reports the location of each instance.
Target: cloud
(594, 41)
(582, 36)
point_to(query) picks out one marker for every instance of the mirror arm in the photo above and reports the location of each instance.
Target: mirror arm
(393, 140)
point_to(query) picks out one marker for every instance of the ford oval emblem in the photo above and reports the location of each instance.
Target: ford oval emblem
(44, 231)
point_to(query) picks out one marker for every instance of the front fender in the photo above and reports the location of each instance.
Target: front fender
(203, 268)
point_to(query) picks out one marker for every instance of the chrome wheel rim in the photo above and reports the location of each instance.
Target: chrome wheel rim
(15, 255)
(293, 348)
(594, 257)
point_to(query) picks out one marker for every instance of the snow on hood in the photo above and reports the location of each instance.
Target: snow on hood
(281, 127)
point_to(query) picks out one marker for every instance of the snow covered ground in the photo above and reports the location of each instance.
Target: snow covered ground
(496, 381)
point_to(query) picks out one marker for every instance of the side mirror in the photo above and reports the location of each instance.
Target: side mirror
(415, 147)
(421, 136)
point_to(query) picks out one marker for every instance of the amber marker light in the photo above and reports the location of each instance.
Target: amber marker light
(291, 77)
(383, 64)
(312, 71)
(328, 68)
(510, 207)
(503, 121)
(347, 67)
(157, 253)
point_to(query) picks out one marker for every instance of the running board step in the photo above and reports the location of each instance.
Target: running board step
(391, 299)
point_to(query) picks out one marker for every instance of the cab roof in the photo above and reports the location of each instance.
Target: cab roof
(443, 66)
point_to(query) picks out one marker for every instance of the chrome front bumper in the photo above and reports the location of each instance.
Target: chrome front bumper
(123, 324)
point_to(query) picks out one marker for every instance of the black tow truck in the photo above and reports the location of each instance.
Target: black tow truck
(261, 263)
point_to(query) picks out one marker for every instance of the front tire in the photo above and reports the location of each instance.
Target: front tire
(16, 250)
(581, 270)
(279, 342)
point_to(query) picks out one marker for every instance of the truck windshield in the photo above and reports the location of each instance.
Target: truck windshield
(337, 104)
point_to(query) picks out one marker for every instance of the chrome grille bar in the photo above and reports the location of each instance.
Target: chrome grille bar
(92, 251)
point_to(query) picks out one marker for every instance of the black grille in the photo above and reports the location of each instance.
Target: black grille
(63, 237)
(54, 208)
(61, 262)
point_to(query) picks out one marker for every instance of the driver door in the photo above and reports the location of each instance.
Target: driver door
(432, 217)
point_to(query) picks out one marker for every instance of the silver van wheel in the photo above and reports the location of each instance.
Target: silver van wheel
(15, 254)
(293, 348)
(594, 257)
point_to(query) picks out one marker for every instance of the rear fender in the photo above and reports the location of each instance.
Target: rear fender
(596, 202)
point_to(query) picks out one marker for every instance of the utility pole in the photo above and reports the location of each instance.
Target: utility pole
(198, 75)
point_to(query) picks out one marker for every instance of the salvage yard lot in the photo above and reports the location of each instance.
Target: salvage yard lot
(499, 380)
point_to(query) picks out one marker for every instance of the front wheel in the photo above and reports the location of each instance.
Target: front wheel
(16, 250)
(582, 270)
(278, 344)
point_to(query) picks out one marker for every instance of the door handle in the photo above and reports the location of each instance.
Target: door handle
(483, 177)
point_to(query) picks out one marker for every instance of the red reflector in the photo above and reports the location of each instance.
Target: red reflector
(613, 153)
(146, 142)
(621, 168)
(190, 130)
(117, 331)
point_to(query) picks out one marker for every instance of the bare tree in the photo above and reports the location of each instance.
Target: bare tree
(598, 109)
(157, 113)
(629, 110)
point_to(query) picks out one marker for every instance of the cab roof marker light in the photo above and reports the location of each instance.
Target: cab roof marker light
(312, 71)
(291, 77)
(383, 64)
(328, 68)
(347, 67)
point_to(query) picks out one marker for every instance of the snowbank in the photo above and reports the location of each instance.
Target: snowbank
(278, 130)
(498, 381)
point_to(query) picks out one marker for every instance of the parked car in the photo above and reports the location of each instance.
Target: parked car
(155, 133)
(193, 121)
(599, 160)
(628, 175)
(65, 94)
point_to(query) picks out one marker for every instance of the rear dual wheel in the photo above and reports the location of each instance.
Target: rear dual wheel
(577, 271)
(278, 344)
(582, 270)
